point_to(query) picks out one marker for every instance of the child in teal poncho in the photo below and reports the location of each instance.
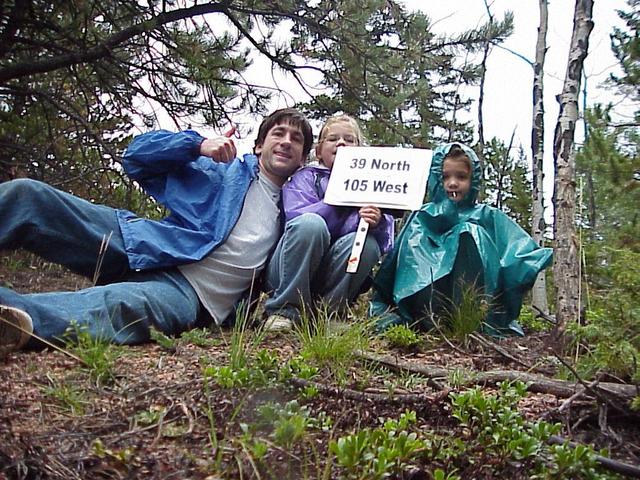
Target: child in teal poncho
(451, 241)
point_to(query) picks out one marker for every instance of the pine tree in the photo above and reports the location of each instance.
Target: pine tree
(626, 47)
(506, 185)
(72, 74)
(384, 66)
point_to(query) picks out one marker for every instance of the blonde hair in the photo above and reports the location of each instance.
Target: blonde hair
(343, 118)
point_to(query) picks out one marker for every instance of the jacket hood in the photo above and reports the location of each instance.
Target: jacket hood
(435, 187)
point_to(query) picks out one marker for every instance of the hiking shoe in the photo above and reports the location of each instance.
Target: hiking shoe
(16, 328)
(278, 323)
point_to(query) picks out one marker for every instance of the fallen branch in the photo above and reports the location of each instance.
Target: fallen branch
(537, 383)
(368, 396)
(609, 464)
(580, 393)
(487, 343)
(598, 392)
(548, 318)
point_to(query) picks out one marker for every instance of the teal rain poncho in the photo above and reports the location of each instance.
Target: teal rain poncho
(445, 242)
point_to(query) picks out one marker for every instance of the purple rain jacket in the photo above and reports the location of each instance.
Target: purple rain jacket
(304, 193)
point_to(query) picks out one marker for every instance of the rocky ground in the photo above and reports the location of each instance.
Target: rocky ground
(167, 409)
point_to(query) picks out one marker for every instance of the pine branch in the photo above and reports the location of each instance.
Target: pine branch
(102, 50)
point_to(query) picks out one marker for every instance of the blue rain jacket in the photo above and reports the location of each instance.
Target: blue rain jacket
(446, 241)
(204, 197)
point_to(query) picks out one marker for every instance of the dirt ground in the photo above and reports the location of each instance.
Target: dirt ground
(160, 417)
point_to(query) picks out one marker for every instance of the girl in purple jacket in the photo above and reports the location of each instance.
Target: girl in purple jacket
(310, 260)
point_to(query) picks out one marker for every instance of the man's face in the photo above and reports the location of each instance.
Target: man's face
(281, 152)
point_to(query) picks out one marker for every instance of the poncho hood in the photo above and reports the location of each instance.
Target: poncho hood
(435, 187)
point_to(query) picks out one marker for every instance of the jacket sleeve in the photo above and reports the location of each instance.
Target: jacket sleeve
(157, 153)
(300, 195)
(384, 233)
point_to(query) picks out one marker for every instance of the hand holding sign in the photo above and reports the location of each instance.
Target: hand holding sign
(371, 214)
(386, 177)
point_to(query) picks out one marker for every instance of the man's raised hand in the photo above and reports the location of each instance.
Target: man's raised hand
(221, 149)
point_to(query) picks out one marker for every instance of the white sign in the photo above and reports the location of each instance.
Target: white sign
(386, 177)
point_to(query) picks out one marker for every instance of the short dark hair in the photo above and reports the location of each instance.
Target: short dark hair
(456, 152)
(292, 117)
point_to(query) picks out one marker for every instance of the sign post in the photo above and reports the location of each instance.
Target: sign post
(387, 177)
(358, 244)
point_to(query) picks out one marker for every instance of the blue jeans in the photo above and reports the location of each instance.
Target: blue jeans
(307, 265)
(61, 228)
(68, 230)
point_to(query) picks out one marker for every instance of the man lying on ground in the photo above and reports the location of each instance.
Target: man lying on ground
(187, 270)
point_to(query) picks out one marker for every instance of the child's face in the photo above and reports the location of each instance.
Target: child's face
(456, 177)
(337, 135)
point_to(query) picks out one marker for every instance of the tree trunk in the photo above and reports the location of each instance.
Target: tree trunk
(566, 261)
(483, 77)
(591, 205)
(538, 225)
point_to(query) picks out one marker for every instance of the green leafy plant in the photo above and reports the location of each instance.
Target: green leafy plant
(309, 392)
(572, 462)
(465, 314)
(289, 429)
(380, 452)
(298, 367)
(328, 348)
(260, 371)
(67, 395)
(439, 474)
(125, 456)
(266, 361)
(227, 377)
(459, 376)
(166, 342)
(201, 337)
(97, 354)
(257, 447)
(402, 336)
(288, 423)
(531, 322)
(612, 347)
(494, 423)
(409, 380)
(247, 366)
(497, 423)
(151, 416)
(607, 339)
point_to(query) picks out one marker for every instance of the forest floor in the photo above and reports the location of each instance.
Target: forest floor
(167, 409)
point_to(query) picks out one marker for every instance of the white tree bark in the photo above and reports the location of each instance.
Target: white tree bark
(538, 225)
(566, 262)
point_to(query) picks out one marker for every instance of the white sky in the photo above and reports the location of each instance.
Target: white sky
(508, 96)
